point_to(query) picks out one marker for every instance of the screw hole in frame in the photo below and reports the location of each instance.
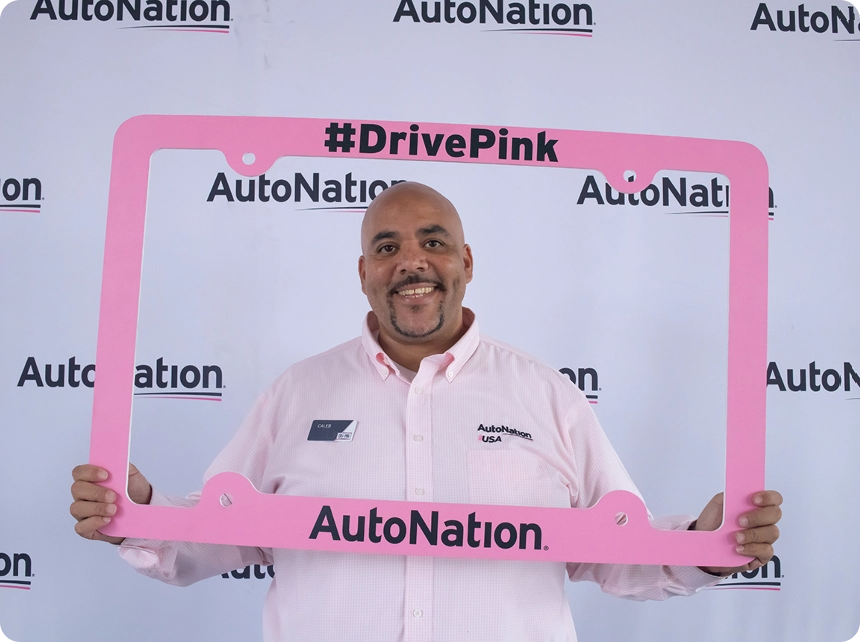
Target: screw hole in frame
(226, 500)
(629, 175)
(249, 158)
(621, 519)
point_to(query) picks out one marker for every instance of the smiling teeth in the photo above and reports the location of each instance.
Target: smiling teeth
(416, 291)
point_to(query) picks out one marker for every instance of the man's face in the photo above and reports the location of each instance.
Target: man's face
(415, 264)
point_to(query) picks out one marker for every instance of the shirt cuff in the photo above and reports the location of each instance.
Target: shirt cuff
(694, 577)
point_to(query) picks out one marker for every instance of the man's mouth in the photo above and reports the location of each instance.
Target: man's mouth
(414, 292)
(414, 289)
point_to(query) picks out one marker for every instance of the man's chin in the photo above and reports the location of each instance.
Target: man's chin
(415, 330)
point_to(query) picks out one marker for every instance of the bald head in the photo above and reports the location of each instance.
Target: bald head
(405, 200)
(414, 267)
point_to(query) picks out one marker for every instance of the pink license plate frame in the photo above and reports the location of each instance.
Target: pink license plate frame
(572, 534)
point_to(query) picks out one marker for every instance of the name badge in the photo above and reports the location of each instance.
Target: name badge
(332, 430)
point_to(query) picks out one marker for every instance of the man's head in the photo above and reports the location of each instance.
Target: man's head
(415, 266)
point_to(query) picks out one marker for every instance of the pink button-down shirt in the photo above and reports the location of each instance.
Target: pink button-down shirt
(420, 440)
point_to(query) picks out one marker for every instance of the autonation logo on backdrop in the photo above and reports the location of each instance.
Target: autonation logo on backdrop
(212, 16)
(803, 20)
(678, 195)
(586, 380)
(765, 578)
(20, 195)
(160, 380)
(346, 194)
(815, 379)
(558, 19)
(256, 571)
(16, 571)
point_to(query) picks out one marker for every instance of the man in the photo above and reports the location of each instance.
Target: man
(419, 381)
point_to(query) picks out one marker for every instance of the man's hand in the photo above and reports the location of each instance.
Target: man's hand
(94, 504)
(759, 534)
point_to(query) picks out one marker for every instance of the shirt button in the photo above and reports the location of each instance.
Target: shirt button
(418, 437)
(450, 375)
(418, 390)
(417, 613)
(419, 491)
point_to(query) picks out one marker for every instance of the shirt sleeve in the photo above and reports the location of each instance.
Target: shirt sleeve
(183, 563)
(598, 470)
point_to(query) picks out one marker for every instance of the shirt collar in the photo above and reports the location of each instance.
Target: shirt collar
(456, 356)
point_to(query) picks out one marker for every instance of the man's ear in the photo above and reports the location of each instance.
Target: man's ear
(361, 272)
(468, 262)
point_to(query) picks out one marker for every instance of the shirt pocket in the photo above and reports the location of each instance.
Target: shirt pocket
(514, 478)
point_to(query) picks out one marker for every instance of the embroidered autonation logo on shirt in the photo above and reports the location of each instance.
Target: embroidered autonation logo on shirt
(492, 428)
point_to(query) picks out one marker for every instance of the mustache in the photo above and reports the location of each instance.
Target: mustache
(415, 280)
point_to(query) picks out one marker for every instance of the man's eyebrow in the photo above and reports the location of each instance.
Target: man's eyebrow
(433, 229)
(384, 234)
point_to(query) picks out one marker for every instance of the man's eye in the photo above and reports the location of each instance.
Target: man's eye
(434, 243)
(386, 249)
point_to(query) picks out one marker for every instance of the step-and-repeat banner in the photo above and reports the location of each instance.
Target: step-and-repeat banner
(243, 276)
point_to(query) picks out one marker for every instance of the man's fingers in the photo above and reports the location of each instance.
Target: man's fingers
(89, 492)
(83, 510)
(93, 505)
(760, 532)
(767, 498)
(90, 473)
(762, 553)
(88, 529)
(761, 517)
(139, 490)
(765, 535)
(760, 527)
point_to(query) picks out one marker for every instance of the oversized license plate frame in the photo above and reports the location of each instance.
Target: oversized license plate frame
(567, 534)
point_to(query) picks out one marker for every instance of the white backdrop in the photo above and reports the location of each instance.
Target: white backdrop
(636, 294)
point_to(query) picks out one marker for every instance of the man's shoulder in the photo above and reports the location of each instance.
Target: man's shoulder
(330, 364)
(345, 353)
(510, 357)
(508, 349)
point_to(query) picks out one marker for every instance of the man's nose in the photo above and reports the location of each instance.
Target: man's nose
(412, 259)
